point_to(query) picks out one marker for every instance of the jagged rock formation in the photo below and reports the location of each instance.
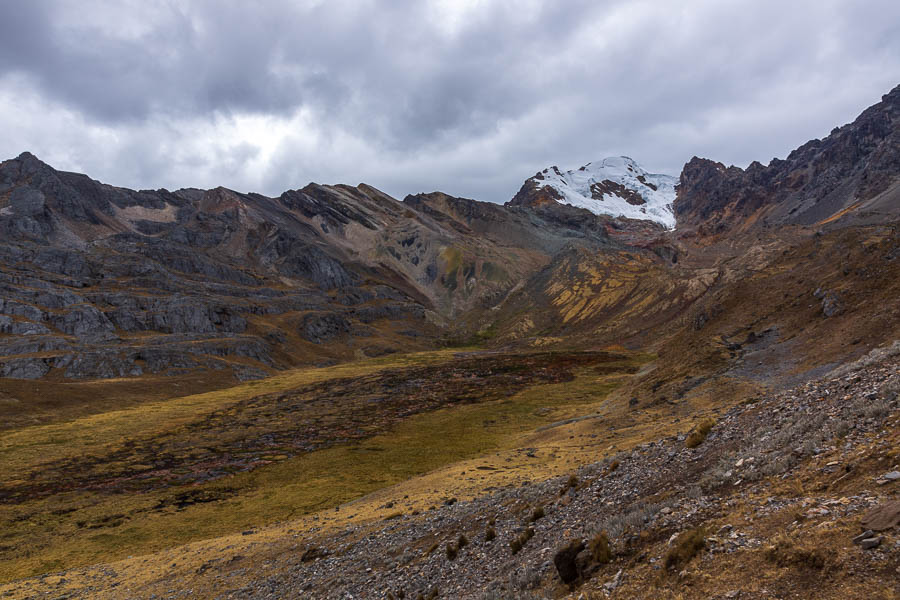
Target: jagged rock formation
(855, 171)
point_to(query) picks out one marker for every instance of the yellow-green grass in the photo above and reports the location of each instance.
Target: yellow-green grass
(44, 535)
(24, 448)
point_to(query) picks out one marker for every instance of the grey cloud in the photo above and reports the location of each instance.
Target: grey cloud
(385, 92)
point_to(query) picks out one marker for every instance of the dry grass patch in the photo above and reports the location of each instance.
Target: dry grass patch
(699, 433)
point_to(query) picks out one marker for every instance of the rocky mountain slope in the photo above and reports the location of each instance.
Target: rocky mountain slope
(851, 173)
(105, 282)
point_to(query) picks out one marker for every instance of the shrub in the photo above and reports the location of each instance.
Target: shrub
(570, 483)
(490, 534)
(538, 513)
(698, 435)
(452, 551)
(462, 542)
(515, 545)
(313, 553)
(687, 546)
(599, 547)
(518, 543)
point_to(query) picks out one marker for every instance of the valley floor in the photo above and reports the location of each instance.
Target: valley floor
(775, 486)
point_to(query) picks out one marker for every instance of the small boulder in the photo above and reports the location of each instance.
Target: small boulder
(863, 536)
(870, 543)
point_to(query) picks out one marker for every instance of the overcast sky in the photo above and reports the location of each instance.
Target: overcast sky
(463, 96)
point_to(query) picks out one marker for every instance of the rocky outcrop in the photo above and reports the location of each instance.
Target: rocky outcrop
(533, 194)
(854, 171)
(106, 282)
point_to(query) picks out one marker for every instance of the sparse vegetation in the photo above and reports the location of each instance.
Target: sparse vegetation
(698, 435)
(686, 546)
(599, 548)
(571, 483)
(536, 514)
(290, 486)
(519, 542)
(788, 552)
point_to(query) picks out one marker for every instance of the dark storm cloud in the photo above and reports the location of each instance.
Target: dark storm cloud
(468, 97)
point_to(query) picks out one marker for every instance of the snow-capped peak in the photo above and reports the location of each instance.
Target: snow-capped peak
(616, 186)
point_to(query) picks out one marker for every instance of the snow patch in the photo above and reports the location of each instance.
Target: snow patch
(575, 187)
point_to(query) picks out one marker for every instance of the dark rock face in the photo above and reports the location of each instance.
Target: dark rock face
(849, 169)
(566, 562)
(532, 195)
(24, 368)
(831, 303)
(598, 190)
(320, 328)
(108, 282)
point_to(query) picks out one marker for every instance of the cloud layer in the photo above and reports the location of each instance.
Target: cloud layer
(465, 96)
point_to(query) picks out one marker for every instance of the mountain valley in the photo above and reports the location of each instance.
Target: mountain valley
(617, 384)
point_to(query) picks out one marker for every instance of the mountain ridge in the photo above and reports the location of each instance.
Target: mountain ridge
(103, 281)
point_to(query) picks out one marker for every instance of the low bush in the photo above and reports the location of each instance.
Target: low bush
(688, 545)
(698, 435)
(599, 548)
(519, 542)
(570, 483)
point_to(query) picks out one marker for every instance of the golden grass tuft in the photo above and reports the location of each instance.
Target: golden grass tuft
(688, 545)
(698, 435)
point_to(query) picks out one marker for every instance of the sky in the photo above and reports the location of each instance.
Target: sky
(467, 97)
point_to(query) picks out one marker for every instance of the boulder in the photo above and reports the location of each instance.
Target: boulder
(882, 517)
(566, 561)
